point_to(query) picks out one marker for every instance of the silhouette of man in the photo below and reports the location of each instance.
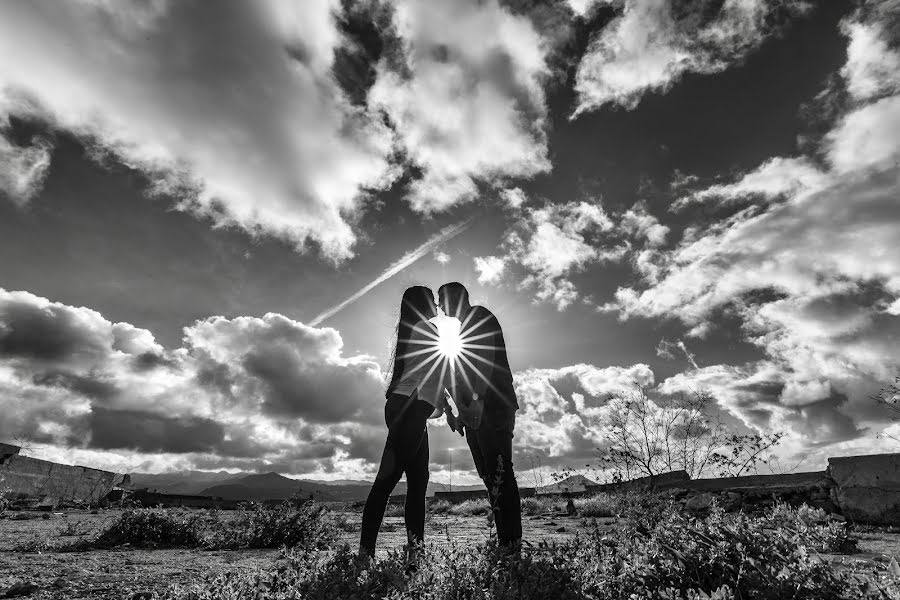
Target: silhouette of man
(487, 405)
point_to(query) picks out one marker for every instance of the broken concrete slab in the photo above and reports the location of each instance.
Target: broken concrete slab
(867, 488)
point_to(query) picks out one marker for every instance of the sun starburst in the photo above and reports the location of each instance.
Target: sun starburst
(459, 354)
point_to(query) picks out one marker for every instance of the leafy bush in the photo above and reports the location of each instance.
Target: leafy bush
(306, 526)
(666, 556)
(72, 529)
(821, 533)
(643, 511)
(598, 505)
(439, 507)
(536, 505)
(152, 528)
(344, 523)
(256, 526)
(471, 508)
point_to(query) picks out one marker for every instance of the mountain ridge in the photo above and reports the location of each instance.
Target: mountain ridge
(266, 486)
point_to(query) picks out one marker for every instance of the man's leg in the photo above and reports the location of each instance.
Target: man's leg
(475, 448)
(495, 442)
(473, 438)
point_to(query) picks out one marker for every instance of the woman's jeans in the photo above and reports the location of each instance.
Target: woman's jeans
(405, 451)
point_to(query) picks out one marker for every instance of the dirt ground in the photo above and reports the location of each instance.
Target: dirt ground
(134, 574)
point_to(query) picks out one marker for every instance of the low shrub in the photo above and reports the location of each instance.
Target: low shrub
(259, 526)
(439, 507)
(673, 557)
(72, 529)
(344, 523)
(474, 507)
(536, 505)
(5, 499)
(598, 505)
(151, 528)
(306, 526)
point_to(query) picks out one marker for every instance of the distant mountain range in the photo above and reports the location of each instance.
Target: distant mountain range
(265, 486)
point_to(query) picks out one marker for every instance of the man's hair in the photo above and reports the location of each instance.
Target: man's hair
(455, 292)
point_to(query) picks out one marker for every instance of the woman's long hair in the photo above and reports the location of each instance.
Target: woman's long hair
(417, 304)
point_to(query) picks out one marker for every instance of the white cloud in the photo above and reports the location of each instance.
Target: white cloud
(775, 178)
(22, 169)
(562, 410)
(557, 240)
(242, 116)
(666, 349)
(490, 269)
(812, 277)
(469, 105)
(653, 43)
(242, 104)
(560, 237)
(240, 391)
(514, 198)
(642, 225)
(581, 7)
(873, 67)
(441, 257)
(866, 138)
(554, 242)
(758, 394)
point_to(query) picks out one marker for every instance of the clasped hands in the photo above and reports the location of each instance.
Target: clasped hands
(469, 412)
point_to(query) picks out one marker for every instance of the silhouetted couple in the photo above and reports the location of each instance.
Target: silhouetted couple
(426, 371)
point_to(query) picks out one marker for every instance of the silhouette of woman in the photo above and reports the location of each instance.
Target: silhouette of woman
(412, 398)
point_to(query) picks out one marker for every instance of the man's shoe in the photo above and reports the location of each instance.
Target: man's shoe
(511, 549)
(365, 556)
(413, 555)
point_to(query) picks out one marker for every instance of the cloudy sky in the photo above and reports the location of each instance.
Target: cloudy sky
(684, 195)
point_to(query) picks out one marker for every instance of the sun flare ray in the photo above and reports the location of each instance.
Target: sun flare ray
(450, 351)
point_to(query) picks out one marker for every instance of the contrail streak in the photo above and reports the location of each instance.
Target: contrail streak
(406, 260)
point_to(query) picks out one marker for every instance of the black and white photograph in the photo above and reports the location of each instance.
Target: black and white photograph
(450, 299)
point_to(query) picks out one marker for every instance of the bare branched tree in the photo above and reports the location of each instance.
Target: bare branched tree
(537, 471)
(889, 398)
(648, 438)
(26, 444)
(746, 453)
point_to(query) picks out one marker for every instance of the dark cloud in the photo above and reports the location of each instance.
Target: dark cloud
(825, 422)
(324, 394)
(151, 360)
(369, 35)
(149, 432)
(216, 376)
(286, 369)
(764, 391)
(48, 332)
(91, 385)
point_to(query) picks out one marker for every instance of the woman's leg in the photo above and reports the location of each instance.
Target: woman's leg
(402, 446)
(389, 472)
(416, 488)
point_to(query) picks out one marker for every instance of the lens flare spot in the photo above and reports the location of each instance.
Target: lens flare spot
(449, 341)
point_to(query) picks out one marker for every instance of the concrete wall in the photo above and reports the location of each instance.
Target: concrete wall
(867, 488)
(661, 481)
(54, 483)
(148, 499)
(756, 482)
(7, 450)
